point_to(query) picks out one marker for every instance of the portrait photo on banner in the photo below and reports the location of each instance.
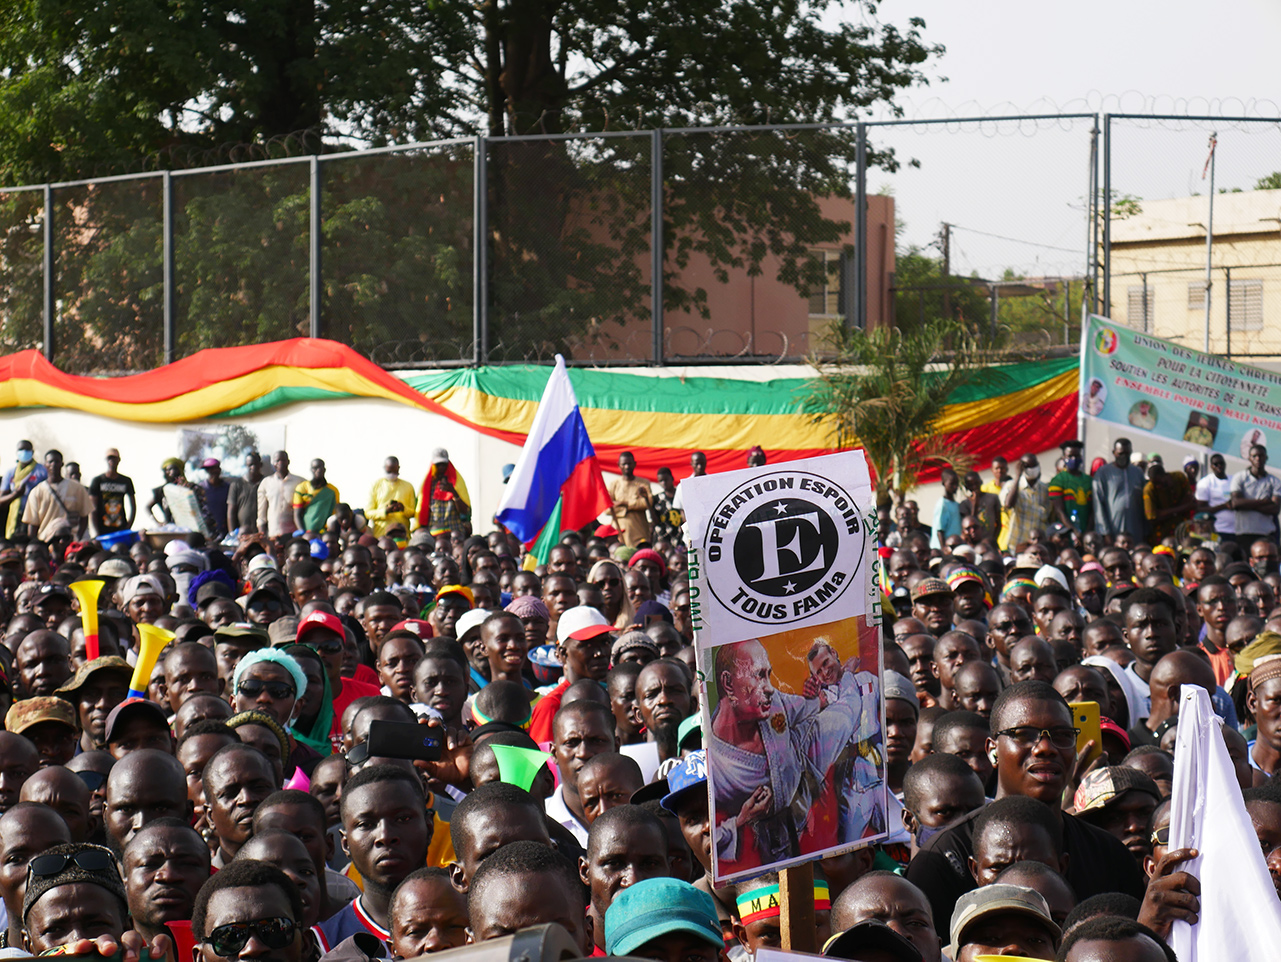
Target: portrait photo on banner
(795, 756)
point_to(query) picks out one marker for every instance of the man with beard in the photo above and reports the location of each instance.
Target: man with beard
(772, 738)
(932, 604)
(663, 700)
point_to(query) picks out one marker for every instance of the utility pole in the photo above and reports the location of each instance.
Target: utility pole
(1209, 237)
(945, 244)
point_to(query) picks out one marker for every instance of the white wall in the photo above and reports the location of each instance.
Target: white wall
(352, 436)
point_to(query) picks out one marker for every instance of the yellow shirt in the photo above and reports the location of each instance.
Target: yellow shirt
(994, 487)
(383, 493)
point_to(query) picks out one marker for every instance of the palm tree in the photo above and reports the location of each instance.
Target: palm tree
(884, 390)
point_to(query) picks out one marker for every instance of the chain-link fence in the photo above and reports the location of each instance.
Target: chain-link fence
(708, 245)
(1160, 174)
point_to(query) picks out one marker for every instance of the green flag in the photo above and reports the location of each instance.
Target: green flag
(540, 552)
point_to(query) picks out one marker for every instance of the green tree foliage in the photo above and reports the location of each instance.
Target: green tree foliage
(884, 391)
(1271, 182)
(113, 86)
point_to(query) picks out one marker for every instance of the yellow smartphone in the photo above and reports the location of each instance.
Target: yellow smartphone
(1085, 716)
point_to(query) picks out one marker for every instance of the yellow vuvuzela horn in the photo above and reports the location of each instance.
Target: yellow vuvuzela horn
(153, 641)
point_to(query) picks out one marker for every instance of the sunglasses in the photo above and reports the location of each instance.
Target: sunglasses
(253, 687)
(228, 940)
(358, 755)
(1161, 836)
(330, 647)
(91, 860)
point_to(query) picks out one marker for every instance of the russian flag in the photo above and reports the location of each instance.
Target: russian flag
(557, 472)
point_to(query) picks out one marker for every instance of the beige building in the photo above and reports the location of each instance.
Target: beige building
(1158, 272)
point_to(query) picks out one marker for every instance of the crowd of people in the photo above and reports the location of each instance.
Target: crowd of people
(377, 733)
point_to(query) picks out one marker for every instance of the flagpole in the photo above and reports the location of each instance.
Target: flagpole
(1209, 239)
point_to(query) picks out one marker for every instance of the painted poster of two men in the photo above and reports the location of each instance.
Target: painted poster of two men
(795, 756)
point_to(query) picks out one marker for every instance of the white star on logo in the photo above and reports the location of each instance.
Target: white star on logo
(789, 587)
(781, 507)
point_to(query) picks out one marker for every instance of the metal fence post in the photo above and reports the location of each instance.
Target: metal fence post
(480, 255)
(48, 272)
(170, 292)
(1107, 215)
(1227, 309)
(860, 231)
(656, 242)
(313, 250)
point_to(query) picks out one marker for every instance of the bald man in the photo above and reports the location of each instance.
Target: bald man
(1172, 672)
(66, 793)
(143, 786)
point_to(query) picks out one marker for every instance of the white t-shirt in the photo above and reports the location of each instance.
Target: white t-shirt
(1214, 491)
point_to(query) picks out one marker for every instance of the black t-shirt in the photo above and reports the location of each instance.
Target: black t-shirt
(1097, 862)
(111, 492)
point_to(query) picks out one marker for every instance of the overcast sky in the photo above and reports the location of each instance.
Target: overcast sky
(1026, 182)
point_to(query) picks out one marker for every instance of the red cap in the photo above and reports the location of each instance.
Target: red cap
(419, 627)
(320, 619)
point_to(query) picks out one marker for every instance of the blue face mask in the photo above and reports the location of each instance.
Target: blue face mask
(24, 457)
(1073, 464)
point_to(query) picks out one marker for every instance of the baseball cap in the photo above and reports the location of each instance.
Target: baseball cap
(112, 453)
(581, 623)
(320, 619)
(470, 620)
(1027, 561)
(86, 669)
(283, 631)
(686, 778)
(43, 708)
(130, 708)
(262, 560)
(930, 586)
(900, 687)
(419, 627)
(10, 556)
(653, 791)
(210, 463)
(1189, 459)
(1104, 787)
(116, 568)
(211, 590)
(50, 590)
(439, 456)
(993, 899)
(871, 934)
(656, 907)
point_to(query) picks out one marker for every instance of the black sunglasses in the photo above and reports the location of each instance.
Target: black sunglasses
(91, 860)
(228, 940)
(358, 755)
(253, 687)
(330, 647)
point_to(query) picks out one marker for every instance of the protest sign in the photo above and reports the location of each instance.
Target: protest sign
(786, 615)
(1175, 392)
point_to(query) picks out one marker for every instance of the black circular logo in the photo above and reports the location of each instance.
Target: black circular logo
(785, 546)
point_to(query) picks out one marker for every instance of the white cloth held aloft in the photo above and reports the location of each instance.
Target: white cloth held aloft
(1240, 916)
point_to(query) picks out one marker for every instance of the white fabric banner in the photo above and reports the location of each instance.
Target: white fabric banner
(1240, 918)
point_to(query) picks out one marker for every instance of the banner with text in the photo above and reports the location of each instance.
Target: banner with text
(786, 615)
(1175, 392)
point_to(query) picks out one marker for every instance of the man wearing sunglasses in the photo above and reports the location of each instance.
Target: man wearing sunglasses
(322, 631)
(248, 910)
(76, 900)
(1033, 746)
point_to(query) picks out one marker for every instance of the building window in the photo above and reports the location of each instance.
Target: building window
(827, 301)
(1245, 301)
(1140, 307)
(1196, 295)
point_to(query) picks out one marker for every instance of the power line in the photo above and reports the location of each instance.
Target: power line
(1016, 240)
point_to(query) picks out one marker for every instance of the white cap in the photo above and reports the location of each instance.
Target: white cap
(439, 456)
(580, 623)
(262, 560)
(469, 620)
(1189, 459)
(1049, 573)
